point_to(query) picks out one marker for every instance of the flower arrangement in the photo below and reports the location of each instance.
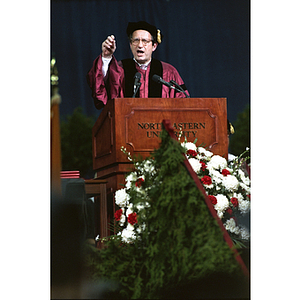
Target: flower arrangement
(167, 236)
(226, 184)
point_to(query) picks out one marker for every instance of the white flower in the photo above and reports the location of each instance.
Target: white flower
(189, 146)
(231, 157)
(244, 206)
(130, 179)
(204, 152)
(220, 214)
(195, 163)
(230, 225)
(149, 167)
(121, 198)
(244, 178)
(239, 196)
(122, 220)
(217, 162)
(216, 176)
(222, 204)
(129, 209)
(245, 187)
(231, 183)
(142, 205)
(128, 234)
(245, 235)
(141, 228)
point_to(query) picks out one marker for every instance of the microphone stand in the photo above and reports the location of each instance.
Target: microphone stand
(137, 87)
(178, 88)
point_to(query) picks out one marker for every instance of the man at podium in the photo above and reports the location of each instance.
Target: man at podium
(141, 76)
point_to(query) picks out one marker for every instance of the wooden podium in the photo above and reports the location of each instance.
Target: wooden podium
(135, 123)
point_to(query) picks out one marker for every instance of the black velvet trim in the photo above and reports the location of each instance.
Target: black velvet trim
(154, 89)
(129, 72)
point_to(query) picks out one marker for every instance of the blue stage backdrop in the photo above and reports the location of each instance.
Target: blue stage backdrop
(208, 41)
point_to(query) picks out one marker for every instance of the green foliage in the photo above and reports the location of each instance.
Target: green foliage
(181, 242)
(241, 138)
(76, 142)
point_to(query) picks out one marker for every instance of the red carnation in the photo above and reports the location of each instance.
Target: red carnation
(192, 153)
(203, 166)
(229, 210)
(118, 214)
(206, 180)
(234, 201)
(139, 182)
(132, 218)
(225, 172)
(213, 199)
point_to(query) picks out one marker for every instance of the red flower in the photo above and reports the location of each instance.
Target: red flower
(225, 172)
(229, 210)
(139, 182)
(118, 214)
(249, 196)
(132, 218)
(192, 153)
(206, 180)
(213, 199)
(234, 201)
(203, 166)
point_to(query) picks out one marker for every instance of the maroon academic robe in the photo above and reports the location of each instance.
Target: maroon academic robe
(113, 84)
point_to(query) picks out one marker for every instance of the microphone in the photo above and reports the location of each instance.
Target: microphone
(137, 84)
(179, 88)
(158, 79)
(172, 84)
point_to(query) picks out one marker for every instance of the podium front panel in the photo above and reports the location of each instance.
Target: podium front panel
(135, 123)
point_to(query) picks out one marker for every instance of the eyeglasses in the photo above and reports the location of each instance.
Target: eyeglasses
(135, 42)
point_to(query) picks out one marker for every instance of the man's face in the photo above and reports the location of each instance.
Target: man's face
(142, 52)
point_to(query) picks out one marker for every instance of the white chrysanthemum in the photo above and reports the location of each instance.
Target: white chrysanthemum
(149, 167)
(220, 214)
(244, 206)
(231, 157)
(244, 233)
(128, 234)
(245, 187)
(239, 196)
(216, 176)
(230, 182)
(230, 225)
(141, 228)
(222, 204)
(122, 220)
(121, 198)
(217, 162)
(244, 178)
(130, 179)
(142, 205)
(204, 152)
(129, 209)
(195, 163)
(189, 146)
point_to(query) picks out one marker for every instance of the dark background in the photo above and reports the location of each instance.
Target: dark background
(208, 41)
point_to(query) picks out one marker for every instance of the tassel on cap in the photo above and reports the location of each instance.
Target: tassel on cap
(158, 36)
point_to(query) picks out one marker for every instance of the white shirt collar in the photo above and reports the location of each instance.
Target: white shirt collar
(143, 66)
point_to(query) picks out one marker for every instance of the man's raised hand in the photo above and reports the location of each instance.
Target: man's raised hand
(109, 47)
